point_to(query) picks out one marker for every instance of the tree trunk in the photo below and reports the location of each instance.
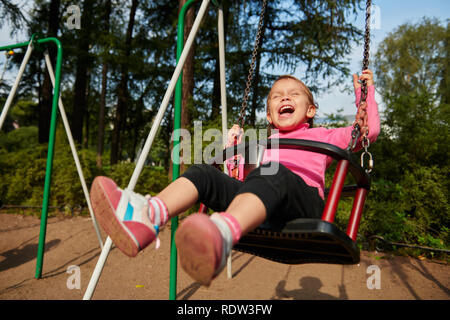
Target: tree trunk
(45, 105)
(187, 80)
(87, 118)
(122, 91)
(81, 83)
(102, 107)
(188, 75)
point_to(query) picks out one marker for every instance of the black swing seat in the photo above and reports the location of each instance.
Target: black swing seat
(302, 240)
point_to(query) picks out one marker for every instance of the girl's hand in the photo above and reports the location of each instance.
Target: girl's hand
(366, 75)
(234, 132)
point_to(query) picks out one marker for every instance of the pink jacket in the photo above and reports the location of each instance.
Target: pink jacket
(311, 166)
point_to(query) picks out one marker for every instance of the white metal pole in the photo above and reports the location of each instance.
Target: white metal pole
(12, 93)
(223, 99)
(148, 143)
(98, 269)
(223, 92)
(73, 148)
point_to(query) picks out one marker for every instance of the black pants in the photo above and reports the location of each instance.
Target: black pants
(284, 194)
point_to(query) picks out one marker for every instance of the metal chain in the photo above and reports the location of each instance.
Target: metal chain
(356, 132)
(252, 66)
(362, 103)
(366, 48)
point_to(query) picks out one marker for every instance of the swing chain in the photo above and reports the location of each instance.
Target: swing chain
(367, 36)
(366, 50)
(252, 65)
(365, 139)
(356, 132)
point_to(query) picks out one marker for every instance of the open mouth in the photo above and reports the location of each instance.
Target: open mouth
(286, 110)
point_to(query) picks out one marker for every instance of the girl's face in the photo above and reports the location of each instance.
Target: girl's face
(288, 105)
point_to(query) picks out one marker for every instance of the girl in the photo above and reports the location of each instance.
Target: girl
(295, 190)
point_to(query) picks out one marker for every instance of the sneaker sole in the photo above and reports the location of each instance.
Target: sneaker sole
(106, 217)
(195, 242)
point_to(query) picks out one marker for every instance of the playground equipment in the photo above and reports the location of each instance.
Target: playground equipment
(336, 246)
(36, 43)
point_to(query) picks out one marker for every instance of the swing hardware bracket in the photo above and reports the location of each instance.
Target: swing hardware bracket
(34, 42)
(366, 143)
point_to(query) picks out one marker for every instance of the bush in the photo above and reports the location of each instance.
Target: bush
(23, 165)
(151, 180)
(414, 211)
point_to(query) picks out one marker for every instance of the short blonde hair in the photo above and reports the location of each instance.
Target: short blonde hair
(305, 90)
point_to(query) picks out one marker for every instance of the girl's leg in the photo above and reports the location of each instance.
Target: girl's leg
(248, 210)
(171, 196)
(204, 242)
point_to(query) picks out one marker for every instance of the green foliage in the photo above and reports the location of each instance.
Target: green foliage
(151, 180)
(336, 120)
(15, 140)
(25, 112)
(23, 165)
(408, 201)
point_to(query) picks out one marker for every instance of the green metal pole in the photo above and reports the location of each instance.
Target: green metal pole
(51, 142)
(176, 154)
(50, 152)
(14, 46)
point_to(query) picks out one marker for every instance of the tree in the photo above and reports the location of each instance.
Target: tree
(102, 105)
(11, 13)
(82, 70)
(45, 104)
(123, 95)
(411, 67)
(411, 185)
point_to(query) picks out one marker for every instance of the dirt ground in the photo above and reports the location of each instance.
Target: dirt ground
(73, 242)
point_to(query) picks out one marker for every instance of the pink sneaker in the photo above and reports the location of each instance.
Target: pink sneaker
(124, 215)
(199, 243)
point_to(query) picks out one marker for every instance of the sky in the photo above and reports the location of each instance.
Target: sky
(392, 14)
(388, 15)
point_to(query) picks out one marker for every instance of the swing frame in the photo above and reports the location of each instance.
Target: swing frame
(39, 44)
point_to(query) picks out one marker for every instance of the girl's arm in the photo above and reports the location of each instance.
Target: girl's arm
(341, 136)
(373, 117)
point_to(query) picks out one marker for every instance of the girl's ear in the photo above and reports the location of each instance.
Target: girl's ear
(311, 111)
(269, 118)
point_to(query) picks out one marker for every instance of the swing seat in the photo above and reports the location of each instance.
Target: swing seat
(309, 240)
(301, 241)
